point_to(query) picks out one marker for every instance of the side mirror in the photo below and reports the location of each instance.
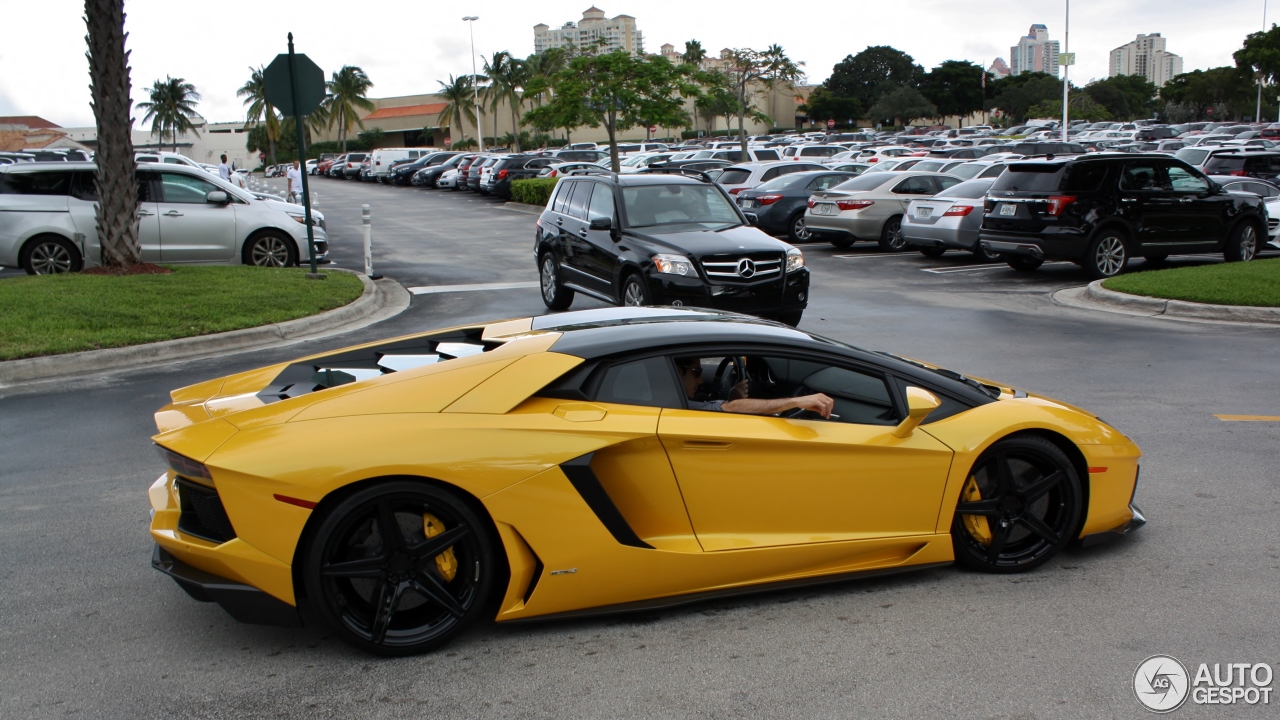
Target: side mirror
(217, 197)
(601, 223)
(920, 403)
(752, 219)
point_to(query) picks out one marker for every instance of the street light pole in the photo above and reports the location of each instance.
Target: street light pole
(475, 89)
(1066, 47)
(1257, 115)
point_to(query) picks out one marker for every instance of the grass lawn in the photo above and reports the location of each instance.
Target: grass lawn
(1242, 283)
(54, 314)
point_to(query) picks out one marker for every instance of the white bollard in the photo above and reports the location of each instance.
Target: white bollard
(367, 229)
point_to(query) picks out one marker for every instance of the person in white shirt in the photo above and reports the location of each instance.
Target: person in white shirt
(295, 183)
(224, 170)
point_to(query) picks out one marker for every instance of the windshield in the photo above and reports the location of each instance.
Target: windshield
(1192, 156)
(703, 205)
(966, 170)
(865, 181)
(968, 190)
(988, 390)
(783, 182)
(734, 176)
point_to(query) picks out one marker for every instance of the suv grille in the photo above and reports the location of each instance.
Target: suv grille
(751, 267)
(202, 513)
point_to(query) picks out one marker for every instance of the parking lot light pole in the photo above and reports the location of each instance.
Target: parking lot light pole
(1066, 68)
(475, 89)
(1257, 115)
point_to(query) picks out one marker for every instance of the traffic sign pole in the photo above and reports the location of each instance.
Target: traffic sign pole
(302, 153)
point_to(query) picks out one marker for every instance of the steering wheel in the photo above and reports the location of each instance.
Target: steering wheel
(723, 382)
(800, 413)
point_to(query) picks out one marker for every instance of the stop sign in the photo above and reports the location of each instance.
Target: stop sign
(653, 128)
(831, 123)
(448, 141)
(262, 156)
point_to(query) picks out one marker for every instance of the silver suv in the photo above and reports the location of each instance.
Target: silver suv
(48, 220)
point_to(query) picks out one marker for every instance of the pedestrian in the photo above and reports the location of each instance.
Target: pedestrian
(224, 170)
(295, 183)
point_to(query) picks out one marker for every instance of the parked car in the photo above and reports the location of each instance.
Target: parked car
(734, 154)
(1100, 210)
(579, 155)
(744, 176)
(1260, 165)
(949, 220)
(431, 171)
(1270, 194)
(811, 153)
(974, 169)
(557, 169)
(779, 204)
(686, 165)
(663, 239)
(870, 207)
(1043, 148)
(381, 159)
(640, 161)
(56, 154)
(184, 216)
(351, 167)
(516, 167)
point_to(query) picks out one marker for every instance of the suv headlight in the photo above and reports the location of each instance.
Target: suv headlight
(795, 259)
(673, 264)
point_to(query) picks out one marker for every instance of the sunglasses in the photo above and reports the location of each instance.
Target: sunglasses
(695, 369)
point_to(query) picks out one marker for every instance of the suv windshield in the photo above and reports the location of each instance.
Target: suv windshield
(651, 205)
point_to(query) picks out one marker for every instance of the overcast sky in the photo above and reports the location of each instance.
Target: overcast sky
(405, 46)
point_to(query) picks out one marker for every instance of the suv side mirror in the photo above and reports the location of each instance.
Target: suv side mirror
(217, 197)
(752, 219)
(920, 403)
(601, 223)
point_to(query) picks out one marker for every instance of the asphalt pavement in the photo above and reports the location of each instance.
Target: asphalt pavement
(91, 630)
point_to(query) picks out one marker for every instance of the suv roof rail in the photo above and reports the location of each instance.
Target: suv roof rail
(658, 170)
(593, 171)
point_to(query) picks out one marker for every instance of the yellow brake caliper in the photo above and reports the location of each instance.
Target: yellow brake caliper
(975, 524)
(446, 563)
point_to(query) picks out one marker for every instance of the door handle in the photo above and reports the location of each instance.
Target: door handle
(145, 213)
(707, 444)
(173, 213)
(582, 233)
(560, 221)
(1186, 199)
(1128, 200)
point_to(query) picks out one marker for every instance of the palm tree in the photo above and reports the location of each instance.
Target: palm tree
(117, 170)
(540, 68)
(459, 103)
(255, 96)
(347, 92)
(171, 108)
(693, 56)
(507, 76)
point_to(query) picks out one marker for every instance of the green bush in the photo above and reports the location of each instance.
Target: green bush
(534, 191)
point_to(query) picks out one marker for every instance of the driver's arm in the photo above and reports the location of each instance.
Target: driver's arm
(817, 402)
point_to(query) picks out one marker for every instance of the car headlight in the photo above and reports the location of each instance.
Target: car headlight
(302, 219)
(673, 264)
(795, 259)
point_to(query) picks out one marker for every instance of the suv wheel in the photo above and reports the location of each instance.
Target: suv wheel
(1107, 256)
(891, 239)
(1243, 244)
(984, 255)
(554, 295)
(634, 293)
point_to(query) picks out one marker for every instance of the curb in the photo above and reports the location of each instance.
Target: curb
(92, 361)
(1100, 298)
(523, 207)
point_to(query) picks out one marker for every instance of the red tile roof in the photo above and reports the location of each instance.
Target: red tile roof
(32, 121)
(406, 111)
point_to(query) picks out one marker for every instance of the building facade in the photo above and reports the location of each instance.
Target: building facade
(999, 68)
(617, 33)
(1146, 56)
(1035, 52)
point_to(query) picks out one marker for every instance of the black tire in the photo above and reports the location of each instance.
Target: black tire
(1108, 255)
(933, 251)
(1020, 505)
(1024, 263)
(842, 241)
(401, 590)
(982, 255)
(796, 230)
(554, 294)
(891, 239)
(50, 255)
(1242, 245)
(634, 293)
(270, 249)
(791, 318)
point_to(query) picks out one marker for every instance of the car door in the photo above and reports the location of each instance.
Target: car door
(192, 229)
(587, 257)
(763, 481)
(1151, 207)
(149, 216)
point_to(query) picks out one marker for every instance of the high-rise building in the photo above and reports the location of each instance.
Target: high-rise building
(1035, 52)
(1146, 56)
(618, 33)
(999, 68)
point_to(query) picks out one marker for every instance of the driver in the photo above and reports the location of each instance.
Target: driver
(690, 371)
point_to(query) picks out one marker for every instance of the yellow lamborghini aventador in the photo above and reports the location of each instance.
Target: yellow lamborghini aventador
(605, 460)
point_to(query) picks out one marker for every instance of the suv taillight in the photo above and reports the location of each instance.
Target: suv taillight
(1058, 203)
(502, 174)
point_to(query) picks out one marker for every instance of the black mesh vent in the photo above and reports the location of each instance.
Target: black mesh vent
(202, 513)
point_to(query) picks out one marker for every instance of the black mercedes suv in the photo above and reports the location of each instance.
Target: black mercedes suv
(663, 239)
(1101, 210)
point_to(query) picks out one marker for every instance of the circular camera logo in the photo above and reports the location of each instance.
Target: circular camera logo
(1161, 684)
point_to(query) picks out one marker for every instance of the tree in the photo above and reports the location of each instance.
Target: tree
(1261, 54)
(1083, 107)
(903, 103)
(870, 74)
(747, 68)
(171, 109)
(539, 69)
(716, 99)
(507, 76)
(1218, 93)
(117, 181)
(955, 87)
(459, 103)
(822, 105)
(347, 89)
(255, 96)
(1125, 96)
(693, 57)
(618, 91)
(1014, 95)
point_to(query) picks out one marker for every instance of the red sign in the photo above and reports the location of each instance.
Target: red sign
(448, 141)
(653, 128)
(831, 123)
(262, 156)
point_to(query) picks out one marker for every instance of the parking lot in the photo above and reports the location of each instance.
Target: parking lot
(93, 631)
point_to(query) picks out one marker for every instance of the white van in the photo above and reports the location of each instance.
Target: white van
(381, 159)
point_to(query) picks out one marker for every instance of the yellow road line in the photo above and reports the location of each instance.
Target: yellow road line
(1249, 418)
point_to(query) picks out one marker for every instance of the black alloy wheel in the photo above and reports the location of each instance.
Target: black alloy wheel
(891, 239)
(796, 229)
(554, 295)
(400, 568)
(1107, 256)
(1242, 246)
(270, 249)
(1020, 505)
(634, 293)
(1024, 263)
(50, 255)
